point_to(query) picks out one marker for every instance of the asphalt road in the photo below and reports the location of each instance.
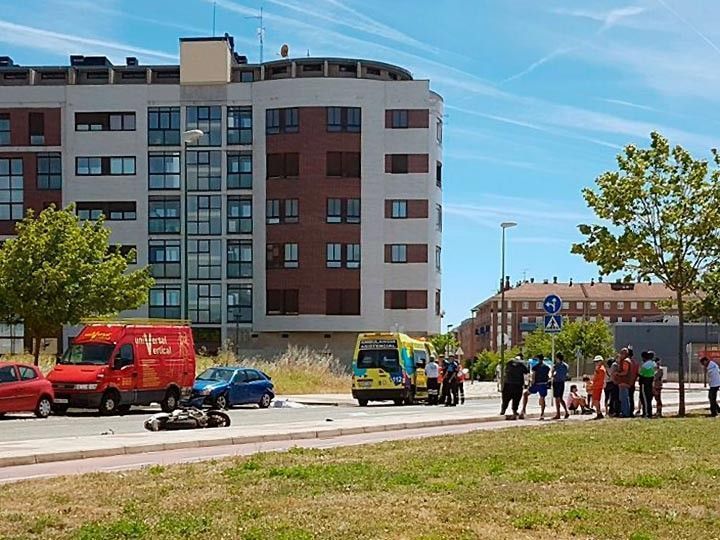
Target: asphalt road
(84, 423)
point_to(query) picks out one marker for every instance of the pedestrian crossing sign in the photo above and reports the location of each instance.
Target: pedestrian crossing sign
(553, 324)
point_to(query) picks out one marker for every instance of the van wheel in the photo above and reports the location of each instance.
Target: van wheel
(363, 402)
(59, 408)
(44, 407)
(109, 404)
(170, 401)
(265, 401)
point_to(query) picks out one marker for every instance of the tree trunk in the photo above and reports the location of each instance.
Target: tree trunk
(37, 340)
(681, 355)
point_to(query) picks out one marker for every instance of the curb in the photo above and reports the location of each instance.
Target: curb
(320, 433)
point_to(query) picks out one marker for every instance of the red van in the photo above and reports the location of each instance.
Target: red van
(112, 366)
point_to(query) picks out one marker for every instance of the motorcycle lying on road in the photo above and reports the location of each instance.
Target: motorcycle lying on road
(187, 418)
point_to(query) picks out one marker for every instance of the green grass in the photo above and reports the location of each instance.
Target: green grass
(578, 480)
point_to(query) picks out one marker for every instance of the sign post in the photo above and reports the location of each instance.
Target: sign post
(553, 320)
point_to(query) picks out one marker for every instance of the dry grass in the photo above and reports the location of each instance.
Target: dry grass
(617, 479)
(296, 371)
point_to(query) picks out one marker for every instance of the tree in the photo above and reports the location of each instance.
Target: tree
(483, 367)
(588, 338)
(661, 215)
(706, 306)
(59, 270)
(445, 342)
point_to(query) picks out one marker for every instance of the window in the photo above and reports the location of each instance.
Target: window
(281, 121)
(398, 163)
(164, 126)
(27, 373)
(398, 300)
(8, 374)
(399, 119)
(334, 211)
(352, 256)
(633, 305)
(282, 301)
(439, 131)
(538, 305)
(205, 303)
(239, 215)
(239, 259)
(334, 256)
(36, 126)
(105, 166)
(49, 171)
(164, 215)
(399, 210)
(343, 164)
(353, 211)
(647, 305)
(438, 174)
(164, 302)
(125, 251)
(113, 211)
(438, 257)
(239, 171)
(207, 120)
(579, 305)
(438, 217)
(593, 306)
(11, 189)
(239, 303)
(291, 211)
(398, 253)
(621, 305)
(164, 258)
(164, 170)
(344, 119)
(606, 305)
(282, 165)
(4, 129)
(203, 170)
(272, 211)
(282, 256)
(105, 121)
(526, 306)
(566, 305)
(204, 214)
(342, 302)
(204, 259)
(438, 310)
(247, 76)
(619, 319)
(282, 211)
(239, 125)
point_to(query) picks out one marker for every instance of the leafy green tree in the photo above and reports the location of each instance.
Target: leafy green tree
(706, 305)
(483, 367)
(443, 342)
(659, 218)
(59, 270)
(537, 342)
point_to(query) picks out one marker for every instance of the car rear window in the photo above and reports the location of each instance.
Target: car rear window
(7, 374)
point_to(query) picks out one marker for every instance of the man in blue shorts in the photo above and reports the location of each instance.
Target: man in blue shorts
(539, 378)
(559, 376)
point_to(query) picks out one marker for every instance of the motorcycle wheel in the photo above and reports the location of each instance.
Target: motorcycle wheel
(155, 424)
(218, 419)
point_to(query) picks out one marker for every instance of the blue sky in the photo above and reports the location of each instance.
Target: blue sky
(540, 95)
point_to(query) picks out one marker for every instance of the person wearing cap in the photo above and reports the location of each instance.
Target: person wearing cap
(515, 371)
(598, 385)
(450, 382)
(646, 373)
(713, 375)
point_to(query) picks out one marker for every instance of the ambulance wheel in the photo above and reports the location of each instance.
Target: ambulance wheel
(109, 403)
(170, 401)
(362, 402)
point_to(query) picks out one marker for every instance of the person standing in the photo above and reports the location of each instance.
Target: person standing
(450, 383)
(462, 377)
(634, 370)
(442, 368)
(431, 372)
(612, 402)
(713, 377)
(646, 375)
(559, 376)
(623, 378)
(539, 379)
(657, 387)
(598, 383)
(515, 371)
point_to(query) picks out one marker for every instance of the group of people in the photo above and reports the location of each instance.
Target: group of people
(446, 381)
(614, 380)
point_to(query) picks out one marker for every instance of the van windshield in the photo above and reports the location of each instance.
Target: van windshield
(216, 374)
(87, 353)
(379, 359)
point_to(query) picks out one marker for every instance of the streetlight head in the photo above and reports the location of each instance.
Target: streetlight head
(508, 224)
(192, 135)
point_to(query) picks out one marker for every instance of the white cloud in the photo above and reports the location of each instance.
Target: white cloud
(59, 43)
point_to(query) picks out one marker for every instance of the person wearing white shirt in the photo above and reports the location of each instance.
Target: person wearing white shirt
(432, 372)
(713, 375)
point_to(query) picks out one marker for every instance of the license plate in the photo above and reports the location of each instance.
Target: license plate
(61, 401)
(365, 384)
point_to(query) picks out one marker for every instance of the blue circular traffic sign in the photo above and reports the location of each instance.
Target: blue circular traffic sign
(552, 304)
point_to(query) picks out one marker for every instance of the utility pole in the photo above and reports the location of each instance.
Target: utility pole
(260, 31)
(503, 226)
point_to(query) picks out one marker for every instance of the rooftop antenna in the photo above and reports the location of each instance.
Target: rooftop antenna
(214, 9)
(260, 31)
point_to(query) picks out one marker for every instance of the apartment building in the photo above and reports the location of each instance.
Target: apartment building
(291, 202)
(595, 300)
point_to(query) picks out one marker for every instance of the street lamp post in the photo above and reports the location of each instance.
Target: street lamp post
(190, 136)
(504, 225)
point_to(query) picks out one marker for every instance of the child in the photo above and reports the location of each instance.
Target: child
(577, 403)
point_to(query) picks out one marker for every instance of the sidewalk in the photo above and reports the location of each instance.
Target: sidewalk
(71, 448)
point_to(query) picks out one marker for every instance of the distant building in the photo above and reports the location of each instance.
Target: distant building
(613, 302)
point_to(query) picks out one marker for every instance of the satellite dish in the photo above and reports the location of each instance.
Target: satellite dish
(284, 50)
